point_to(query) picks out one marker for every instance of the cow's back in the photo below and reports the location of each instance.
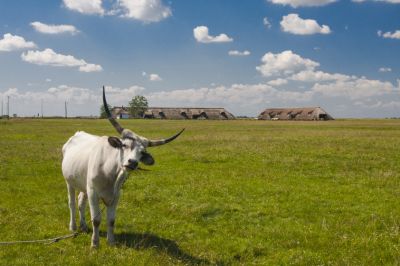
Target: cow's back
(76, 155)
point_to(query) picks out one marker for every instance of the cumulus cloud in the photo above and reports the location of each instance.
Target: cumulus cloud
(81, 101)
(90, 68)
(284, 63)
(318, 76)
(48, 57)
(14, 42)
(201, 35)
(303, 3)
(238, 53)
(85, 6)
(236, 95)
(389, 35)
(53, 29)
(354, 89)
(154, 77)
(292, 23)
(53, 94)
(121, 96)
(277, 82)
(385, 69)
(144, 10)
(387, 1)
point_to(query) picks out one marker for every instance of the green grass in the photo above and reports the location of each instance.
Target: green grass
(225, 192)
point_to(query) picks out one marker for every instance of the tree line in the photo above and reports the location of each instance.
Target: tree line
(137, 107)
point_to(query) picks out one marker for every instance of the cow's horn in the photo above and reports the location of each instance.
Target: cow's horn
(153, 143)
(112, 120)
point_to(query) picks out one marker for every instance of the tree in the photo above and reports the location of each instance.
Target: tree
(103, 113)
(138, 105)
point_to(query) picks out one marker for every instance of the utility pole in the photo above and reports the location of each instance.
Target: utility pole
(8, 107)
(66, 111)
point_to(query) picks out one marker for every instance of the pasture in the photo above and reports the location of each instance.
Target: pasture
(225, 192)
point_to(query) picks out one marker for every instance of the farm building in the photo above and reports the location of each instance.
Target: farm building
(305, 113)
(177, 113)
(120, 112)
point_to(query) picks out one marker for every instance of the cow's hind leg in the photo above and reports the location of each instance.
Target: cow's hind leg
(95, 214)
(82, 199)
(72, 207)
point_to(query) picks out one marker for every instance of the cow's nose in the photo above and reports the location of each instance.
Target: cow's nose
(133, 163)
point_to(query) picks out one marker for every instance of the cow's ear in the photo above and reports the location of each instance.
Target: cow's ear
(147, 159)
(115, 142)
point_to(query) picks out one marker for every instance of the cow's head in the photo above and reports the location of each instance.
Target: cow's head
(133, 146)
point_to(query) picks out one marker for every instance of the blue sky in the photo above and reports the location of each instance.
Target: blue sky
(243, 55)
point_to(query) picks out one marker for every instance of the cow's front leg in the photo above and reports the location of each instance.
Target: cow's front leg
(95, 214)
(72, 207)
(111, 209)
(82, 199)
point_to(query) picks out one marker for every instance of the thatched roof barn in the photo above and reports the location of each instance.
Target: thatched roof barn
(305, 113)
(120, 112)
(188, 113)
(177, 113)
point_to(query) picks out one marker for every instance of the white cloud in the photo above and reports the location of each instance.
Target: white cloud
(81, 101)
(144, 10)
(53, 29)
(318, 76)
(277, 82)
(292, 23)
(284, 63)
(237, 94)
(300, 3)
(201, 35)
(90, 68)
(121, 96)
(389, 35)
(155, 77)
(385, 69)
(53, 94)
(50, 58)
(48, 80)
(152, 77)
(14, 42)
(387, 1)
(85, 6)
(267, 23)
(238, 53)
(354, 89)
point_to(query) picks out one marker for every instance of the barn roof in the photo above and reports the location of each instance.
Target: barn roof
(295, 113)
(180, 112)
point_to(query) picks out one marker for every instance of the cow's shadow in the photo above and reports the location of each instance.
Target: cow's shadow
(151, 241)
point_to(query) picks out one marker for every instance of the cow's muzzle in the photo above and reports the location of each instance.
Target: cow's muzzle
(132, 164)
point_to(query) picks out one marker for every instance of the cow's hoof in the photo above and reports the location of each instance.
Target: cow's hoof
(111, 243)
(72, 227)
(84, 228)
(94, 246)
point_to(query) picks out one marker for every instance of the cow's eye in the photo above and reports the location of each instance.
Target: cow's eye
(124, 146)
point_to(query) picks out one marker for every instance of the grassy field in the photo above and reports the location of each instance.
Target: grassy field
(225, 192)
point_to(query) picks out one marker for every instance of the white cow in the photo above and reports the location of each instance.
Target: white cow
(97, 167)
